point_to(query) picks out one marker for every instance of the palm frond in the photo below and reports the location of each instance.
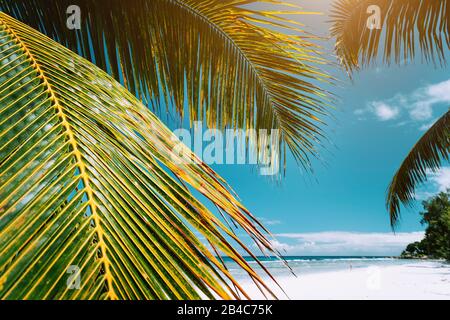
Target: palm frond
(88, 180)
(426, 155)
(231, 66)
(406, 25)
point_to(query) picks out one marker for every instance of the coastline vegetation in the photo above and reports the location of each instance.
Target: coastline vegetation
(436, 244)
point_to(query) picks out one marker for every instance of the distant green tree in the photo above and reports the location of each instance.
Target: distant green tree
(414, 250)
(436, 243)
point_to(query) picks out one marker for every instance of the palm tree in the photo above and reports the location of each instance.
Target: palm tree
(220, 61)
(89, 180)
(405, 24)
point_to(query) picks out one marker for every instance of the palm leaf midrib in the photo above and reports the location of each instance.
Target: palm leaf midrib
(147, 218)
(77, 155)
(242, 70)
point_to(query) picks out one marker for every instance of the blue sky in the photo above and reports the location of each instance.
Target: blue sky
(374, 130)
(340, 209)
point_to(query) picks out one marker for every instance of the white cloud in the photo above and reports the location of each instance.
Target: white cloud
(419, 104)
(441, 179)
(385, 112)
(440, 91)
(428, 125)
(269, 222)
(282, 247)
(424, 195)
(421, 111)
(345, 243)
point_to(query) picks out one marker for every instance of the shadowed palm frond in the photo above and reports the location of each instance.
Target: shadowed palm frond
(233, 66)
(406, 25)
(87, 185)
(426, 155)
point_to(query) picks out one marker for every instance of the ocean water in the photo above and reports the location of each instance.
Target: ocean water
(300, 265)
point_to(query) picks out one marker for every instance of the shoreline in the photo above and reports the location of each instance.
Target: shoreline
(420, 279)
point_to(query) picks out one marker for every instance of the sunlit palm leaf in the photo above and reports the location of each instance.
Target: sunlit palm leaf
(426, 155)
(232, 65)
(82, 183)
(406, 25)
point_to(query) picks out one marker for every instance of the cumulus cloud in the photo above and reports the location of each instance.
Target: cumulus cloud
(385, 112)
(418, 105)
(282, 247)
(439, 181)
(421, 111)
(440, 92)
(345, 243)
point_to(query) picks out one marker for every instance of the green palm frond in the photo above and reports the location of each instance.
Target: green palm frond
(406, 25)
(231, 65)
(426, 155)
(88, 179)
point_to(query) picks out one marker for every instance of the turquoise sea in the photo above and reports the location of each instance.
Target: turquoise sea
(301, 265)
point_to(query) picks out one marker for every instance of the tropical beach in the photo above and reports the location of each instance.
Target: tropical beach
(370, 279)
(224, 149)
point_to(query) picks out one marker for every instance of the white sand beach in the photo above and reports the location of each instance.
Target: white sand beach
(412, 281)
